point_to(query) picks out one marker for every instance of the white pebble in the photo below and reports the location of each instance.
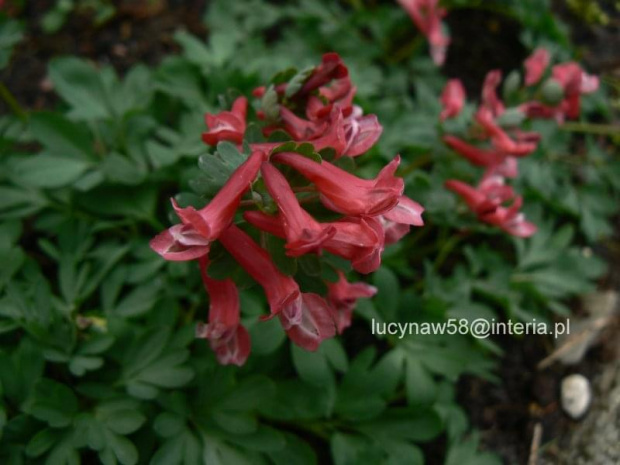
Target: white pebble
(576, 395)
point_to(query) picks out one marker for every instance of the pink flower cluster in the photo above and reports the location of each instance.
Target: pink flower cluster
(500, 143)
(427, 16)
(371, 212)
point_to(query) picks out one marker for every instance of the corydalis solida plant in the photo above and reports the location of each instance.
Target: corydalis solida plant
(498, 140)
(352, 218)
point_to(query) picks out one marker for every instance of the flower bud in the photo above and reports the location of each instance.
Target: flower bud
(512, 83)
(552, 92)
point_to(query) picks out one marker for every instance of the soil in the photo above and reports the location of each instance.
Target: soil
(504, 413)
(142, 31)
(497, 46)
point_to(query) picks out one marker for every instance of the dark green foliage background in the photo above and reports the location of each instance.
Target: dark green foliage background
(98, 361)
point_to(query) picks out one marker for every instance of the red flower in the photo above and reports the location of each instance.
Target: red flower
(490, 193)
(299, 128)
(427, 16)
(575, 81)
(452, 99)
(490, 100)
(475, 155)
(211, 220)
(282, 291)
(486, 201)
(228, 338)
(361, 132)
(359, 240)
(303, 233)
(501, 140)
(227, 125)
(334, 135)
(331, 67)
(343, 295)
(535, 66)
(535, 110)
(345, 193)
(306, 317)
(317, 323)
(398, 221)
(500, 163)
(511, 220)
(179, 243)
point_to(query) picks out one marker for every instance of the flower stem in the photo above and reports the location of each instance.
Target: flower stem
(12, 102)
(592, 128)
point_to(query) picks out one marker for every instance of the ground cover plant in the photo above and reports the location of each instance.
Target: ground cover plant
(330, 173)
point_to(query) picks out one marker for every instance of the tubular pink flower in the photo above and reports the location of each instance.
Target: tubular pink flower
(490, 100)
(575, 81)
(303, 233)
(345, 193)
(228, 338)
(299, 128)
(359, 240)
(181, 242)
(361, 132)
(317, 323)
(538, 110)
(511, 220)
(306, 317)
(475, 155)
(211, 220)
(342, 296)
(331, 67)
(406, 211)
(282, 291)
(339, 93)
(535, 66)
(398, 221)
(489, 194)
(486, 201)
(452, 99)
(500, 139)
(427, 16)
(227, 125)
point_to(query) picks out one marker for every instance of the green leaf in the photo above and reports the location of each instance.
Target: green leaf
(61, 136)
(122, 170)
(275, 247)
(79, 365)
(49, 171)
(20, 202)
(269, 105)
(348, 449)
(153, 363)
(11, 32)
(53, 403)
(123, 449)
(312, 367)
(404, 423)
(296, 82)
(168, 424)
(421, 387)
(80, 85)
(42, 442)
(217, 168)
(295, 452)
(139, 301)
(388, 295)
(124, 421)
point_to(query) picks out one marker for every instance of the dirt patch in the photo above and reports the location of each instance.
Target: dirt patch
(138, 33)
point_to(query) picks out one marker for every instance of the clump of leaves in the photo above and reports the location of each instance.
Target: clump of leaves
(98, 360)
